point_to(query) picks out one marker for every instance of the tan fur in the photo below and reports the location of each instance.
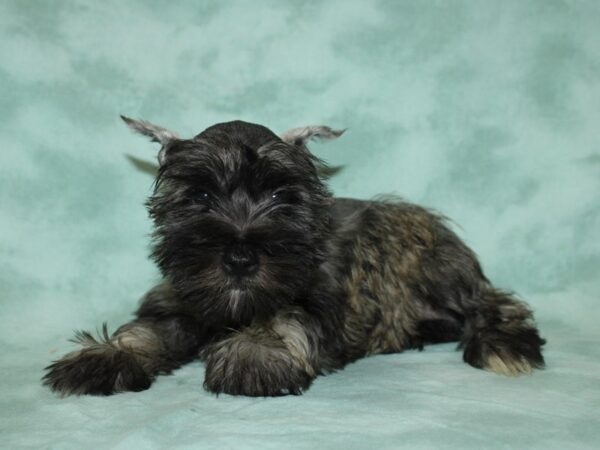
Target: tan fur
(138, 339)
(294, 338)
(507, 366)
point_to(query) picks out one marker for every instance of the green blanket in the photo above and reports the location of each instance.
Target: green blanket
(487, 111)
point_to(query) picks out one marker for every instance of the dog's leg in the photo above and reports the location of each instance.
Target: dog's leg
(157, 342)
(500, 335)
(272, 358)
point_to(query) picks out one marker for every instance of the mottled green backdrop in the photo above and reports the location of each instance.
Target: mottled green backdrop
(486, 110)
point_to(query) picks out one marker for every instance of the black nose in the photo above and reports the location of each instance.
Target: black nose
(240, 260)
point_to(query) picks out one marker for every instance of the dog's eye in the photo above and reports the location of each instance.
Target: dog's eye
(203, 199)
(285, 196)
(199, 193)
(200, 197)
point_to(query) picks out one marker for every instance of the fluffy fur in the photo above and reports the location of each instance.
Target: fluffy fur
(272, 281)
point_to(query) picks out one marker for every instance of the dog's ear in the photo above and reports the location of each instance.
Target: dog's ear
(300, 136)
(154, 132)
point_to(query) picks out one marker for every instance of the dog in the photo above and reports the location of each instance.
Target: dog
(272, 281)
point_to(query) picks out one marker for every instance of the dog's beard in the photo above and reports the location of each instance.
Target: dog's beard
(223, 300)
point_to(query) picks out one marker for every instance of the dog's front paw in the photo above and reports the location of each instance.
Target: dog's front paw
(255, 366)
(97, 370)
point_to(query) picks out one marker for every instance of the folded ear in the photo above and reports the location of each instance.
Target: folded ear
(300, 136)
(154, 132)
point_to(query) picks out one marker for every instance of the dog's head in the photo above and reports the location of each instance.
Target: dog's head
(241, 217)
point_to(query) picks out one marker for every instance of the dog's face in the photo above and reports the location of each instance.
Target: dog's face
(241, 218)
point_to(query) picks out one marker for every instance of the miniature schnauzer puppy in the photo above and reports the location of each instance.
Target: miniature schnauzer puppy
(271, 281)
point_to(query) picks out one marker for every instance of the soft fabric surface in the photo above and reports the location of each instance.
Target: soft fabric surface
(487, 111)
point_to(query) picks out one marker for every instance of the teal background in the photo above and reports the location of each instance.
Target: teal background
(487, 111)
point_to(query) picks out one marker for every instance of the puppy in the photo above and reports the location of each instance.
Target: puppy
(272, 281)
